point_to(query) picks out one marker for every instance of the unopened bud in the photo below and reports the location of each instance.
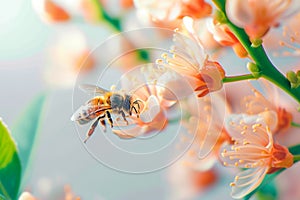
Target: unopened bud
(220, 17)
(292, 77)
(254, 69)
(239, 50)
(256, 42)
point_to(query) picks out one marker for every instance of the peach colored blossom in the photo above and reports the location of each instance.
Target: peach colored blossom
(186, 182)
(173, 9)
(127, 3)
(204, 152)
(253, 149)
(55, 12)
(225, 37)
(49, 11)
(291, 37)
(194, 171)
(206, 121)
(146, 85)
(189, 59)
(257, 103)
(256, 16)
(69, 195)
(68, 56)
(195, 8)
(204, 35)
(282, 108)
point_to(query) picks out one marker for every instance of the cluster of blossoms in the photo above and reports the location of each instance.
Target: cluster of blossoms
(247, 141)
(248, 136)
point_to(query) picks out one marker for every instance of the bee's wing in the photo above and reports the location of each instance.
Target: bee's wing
(92, 89)
(88, 112)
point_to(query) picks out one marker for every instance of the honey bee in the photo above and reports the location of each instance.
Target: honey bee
(101, 107)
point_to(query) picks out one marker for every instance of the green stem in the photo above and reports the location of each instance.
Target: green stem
(294, 124)
(259, 56)
(229, 79)
(296, 158)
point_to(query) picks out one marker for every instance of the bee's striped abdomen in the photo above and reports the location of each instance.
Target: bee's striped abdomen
(91, 110)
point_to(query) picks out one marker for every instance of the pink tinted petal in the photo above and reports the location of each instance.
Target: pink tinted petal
(220, 34)
(257, 103)
(190, 49)
(241, 126)
(256, 16)
(159, 10)
(152, 108)
(271, 119)
(210, 140)
(214, 120)
(213, 76)
(239, 12)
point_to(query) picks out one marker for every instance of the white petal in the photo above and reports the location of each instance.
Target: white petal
(246, 181)
(237, 123)
(189, 24)
(152, 108)
(271, 119)
(239, 12)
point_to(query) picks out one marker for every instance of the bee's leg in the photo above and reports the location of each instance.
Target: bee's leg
(109, 118)
(134, 108)
(136, 102)
(102, 121)
(123, 115)
(92, 129)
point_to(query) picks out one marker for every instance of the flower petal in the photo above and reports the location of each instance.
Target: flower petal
(152, 108)
(250, 127)
(246, 181)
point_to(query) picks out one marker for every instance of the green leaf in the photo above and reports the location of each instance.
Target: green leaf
(269, 192)
(295, 150)
(10, 166)
(27, 126)
(267, 180)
